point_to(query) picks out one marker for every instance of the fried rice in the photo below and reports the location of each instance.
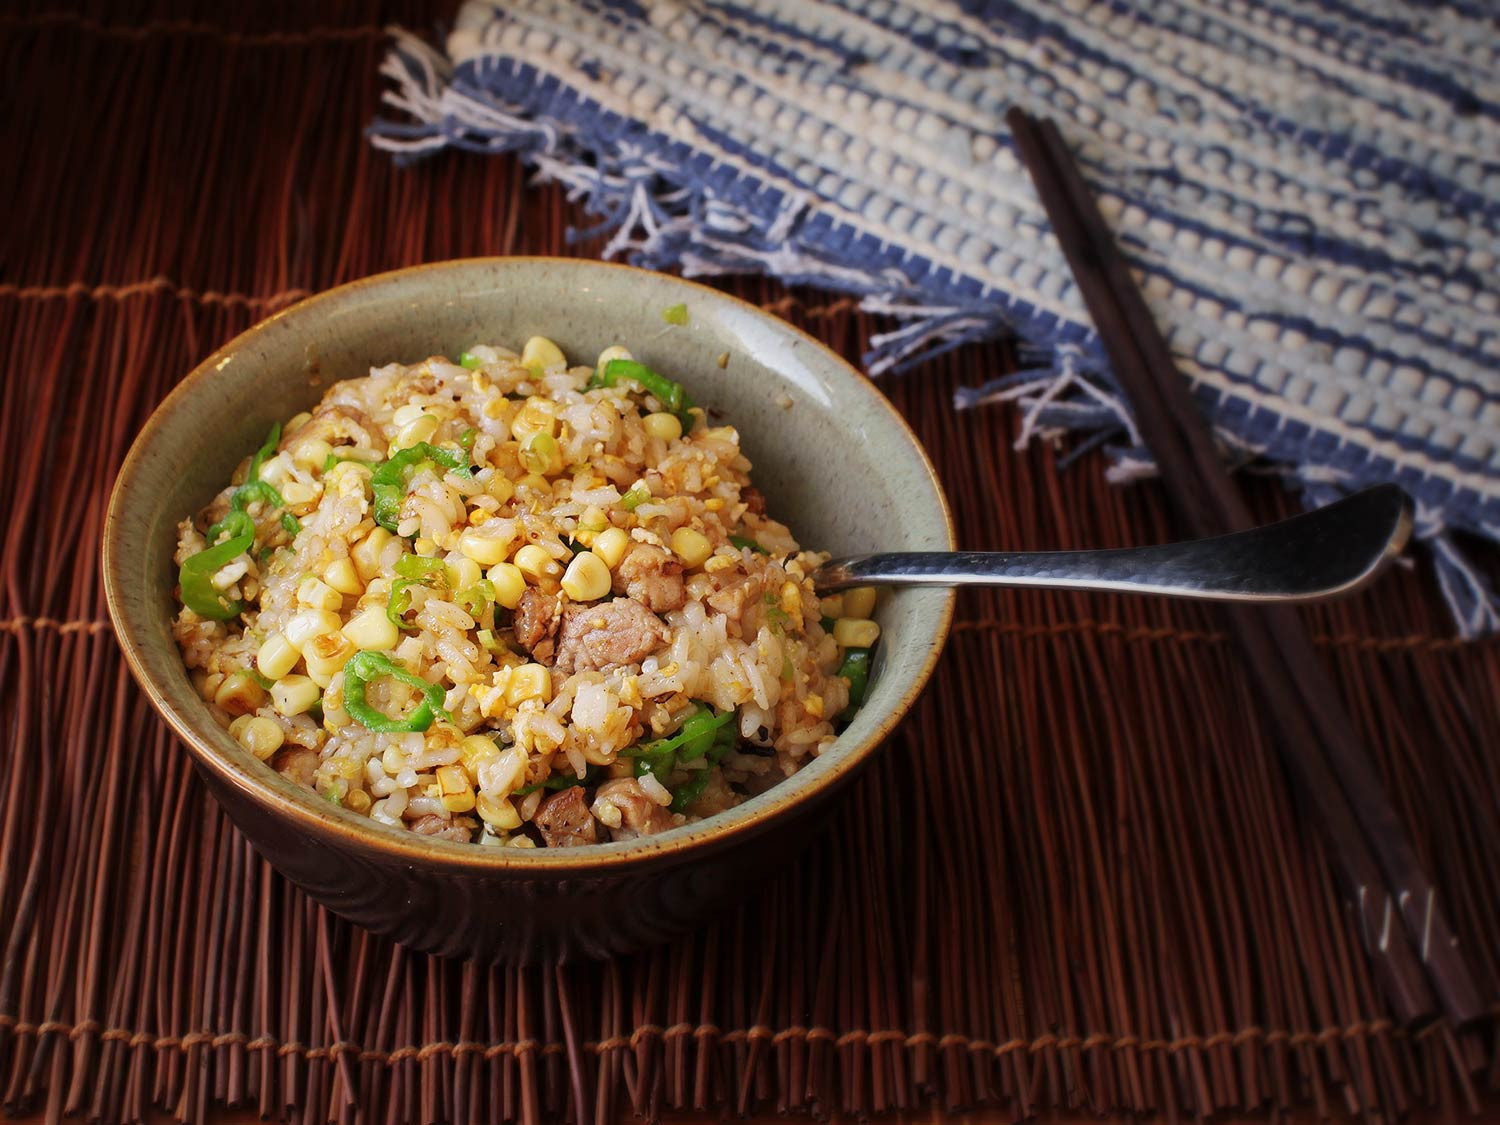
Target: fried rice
(515, 602)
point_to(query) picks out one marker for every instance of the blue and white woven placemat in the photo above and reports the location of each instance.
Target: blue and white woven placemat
(1309, 190)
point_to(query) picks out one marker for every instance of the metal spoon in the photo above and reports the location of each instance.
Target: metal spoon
(1319, 554)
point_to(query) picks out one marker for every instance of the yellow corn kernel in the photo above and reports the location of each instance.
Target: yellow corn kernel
(372, 629)
(791, 602)
(537, 416)
(357, 801)
(335, 718)
(239, 694)
(814, 705)
(474, 752)
(667, 427)
(314, 593)
(238, 725)
(858, 602)
(208, 686)
(463, 573)
(613, 352)
(306, 624)
(419, 430)
(832, 606)
(536, 482)
(296, 493)
(539, 354)
(717, 563)
(406, 415)
(529, 681)
(498, 812)
(591, 522)
(509, 582)
(485, 547)
(494, 408)
(424, 546)
(855, 632)
(347, 478)
(692, 547)
(260, 735)
(540, 454)
(713, 504)
(535, 563)
(341, 576)
(366, 553)
(276, 657)
(499, 487)
(326, 656)
(610, 546)
(587, 578)
(292, 695)
(453, 785)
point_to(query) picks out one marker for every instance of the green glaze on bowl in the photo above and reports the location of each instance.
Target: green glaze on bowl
(834, 460)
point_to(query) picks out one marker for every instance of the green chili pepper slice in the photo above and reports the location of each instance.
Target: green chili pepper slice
(256, 489)
(477, 598)
(724, 740)
(701, 735)
(267, 449)
(363, 667)
(855, 669)
(698, 733)
(689, 791)
(399, 602)
(235, 523)
(671, 395)
(195, 577)
(419, 568)
(389, 478)
(744, 542)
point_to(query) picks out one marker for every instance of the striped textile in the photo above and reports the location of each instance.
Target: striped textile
(1309, 190)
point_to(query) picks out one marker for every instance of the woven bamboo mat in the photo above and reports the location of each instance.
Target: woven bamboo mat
(1074, 880)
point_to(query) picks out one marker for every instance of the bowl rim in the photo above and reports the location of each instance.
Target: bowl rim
(302, 808)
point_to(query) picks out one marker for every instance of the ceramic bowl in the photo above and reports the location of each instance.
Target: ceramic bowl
(834, 460)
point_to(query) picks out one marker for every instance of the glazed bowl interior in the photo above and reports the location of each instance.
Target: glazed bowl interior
(833, 458)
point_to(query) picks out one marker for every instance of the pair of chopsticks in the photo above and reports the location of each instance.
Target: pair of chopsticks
(1398, 912)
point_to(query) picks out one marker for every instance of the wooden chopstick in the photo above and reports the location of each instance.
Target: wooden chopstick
(1417, 956)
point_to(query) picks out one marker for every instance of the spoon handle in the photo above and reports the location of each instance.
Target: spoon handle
(1319, 554)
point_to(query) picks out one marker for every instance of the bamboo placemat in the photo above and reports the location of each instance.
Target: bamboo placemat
(1074, 880)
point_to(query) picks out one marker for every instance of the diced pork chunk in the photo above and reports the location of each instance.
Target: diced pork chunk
(536, 624)
(755, 502)
(598, 637)
(564, 819)
(443, 829)
(732, 600)
(625, 808)
(651, 576)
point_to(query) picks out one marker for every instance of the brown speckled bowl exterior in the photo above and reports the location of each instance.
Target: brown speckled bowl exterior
(835, 462)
